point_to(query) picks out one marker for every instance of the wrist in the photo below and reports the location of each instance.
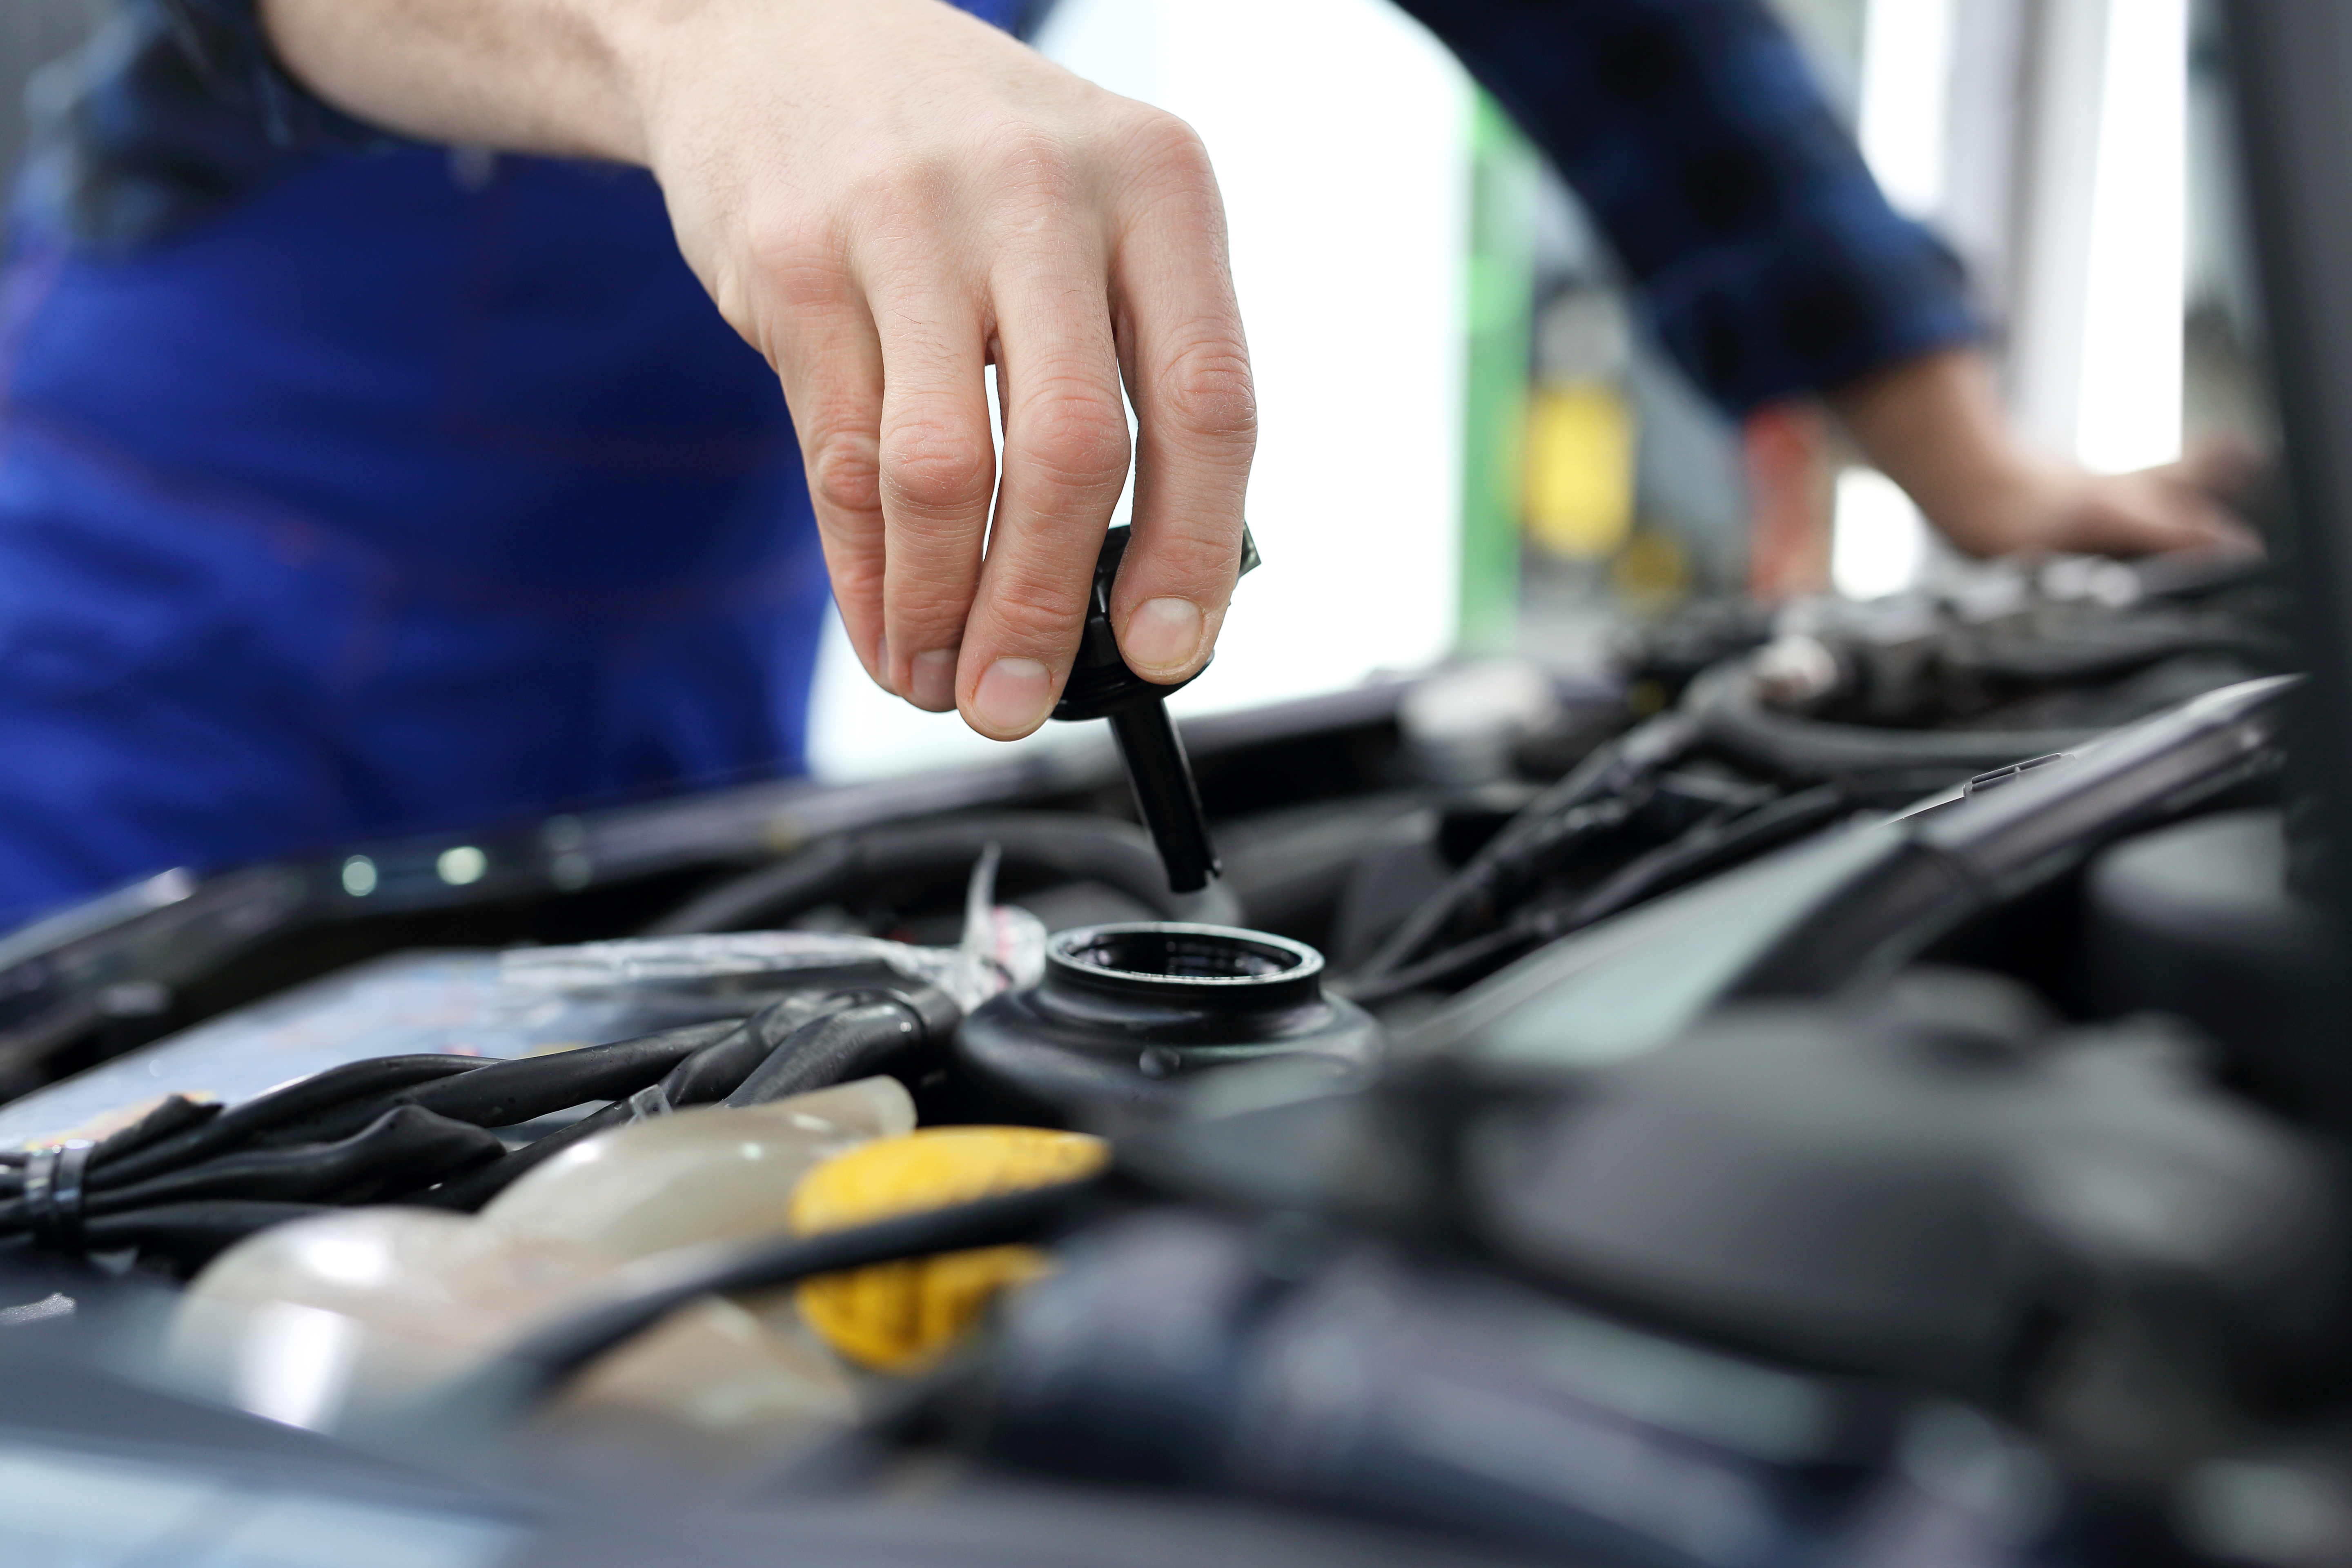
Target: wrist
(688, 72)
(639, 54)
(1992, 505)
(650, 53)
(1934, 425)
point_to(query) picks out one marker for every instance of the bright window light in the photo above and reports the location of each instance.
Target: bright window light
(2132, 315)
(1880, 542)
(1906, 63)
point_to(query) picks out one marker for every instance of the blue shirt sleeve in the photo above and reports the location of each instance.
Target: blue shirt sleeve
(1767, 260)
(180, 105)
(174, 107)
(224, 42)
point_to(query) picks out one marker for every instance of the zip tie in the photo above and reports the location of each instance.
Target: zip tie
(649, 1102)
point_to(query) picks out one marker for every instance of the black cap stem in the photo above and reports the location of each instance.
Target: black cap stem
(1165, 796)
(1101, 685)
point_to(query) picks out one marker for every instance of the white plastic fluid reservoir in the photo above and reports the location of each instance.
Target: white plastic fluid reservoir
(421, 1294)
(713, 1173)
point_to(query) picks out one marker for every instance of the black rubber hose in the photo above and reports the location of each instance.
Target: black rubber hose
(1722, 711)
(709, 1075)
(2106, 646)
(1473, 957)
(848, 1044)
(1577, 804)
(517, 1092)
(1068, 846)
(469, 1192)
(1708, 849)
(406, 1143)
(504, 1093)
(1700, 852)
(539, 1361)
(176, 1114)
(712, 1073)
(371, 1079)
(1731, 716)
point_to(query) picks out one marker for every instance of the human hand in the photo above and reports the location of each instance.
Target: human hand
(885, 199)
(2055, 507)
(1934, 424)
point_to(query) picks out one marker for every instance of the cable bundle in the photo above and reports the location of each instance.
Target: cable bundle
(189, 1179)
(1624, 827)
(1894, 704)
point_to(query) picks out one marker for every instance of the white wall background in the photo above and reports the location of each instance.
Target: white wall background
(1341, 133)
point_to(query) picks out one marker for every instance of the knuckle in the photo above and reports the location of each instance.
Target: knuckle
(1165, 147)
(787, 281)
(859, 586)
(1075, 439)
(902, 199)
(1206, 387)
(937, 465)
(844, 471)
(787, 244)
(1033, 162)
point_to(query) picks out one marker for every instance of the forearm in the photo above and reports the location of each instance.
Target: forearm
(563, 76)
(1934, 424)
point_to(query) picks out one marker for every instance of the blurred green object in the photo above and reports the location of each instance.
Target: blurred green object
(1495, 393)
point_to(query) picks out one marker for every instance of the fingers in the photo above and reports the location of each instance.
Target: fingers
(1085, 276)
(2190, 518)
(831, 362)
(2147, 512)
(1187, 370)
(938, 474)
(1066, 461)
(2223, 466)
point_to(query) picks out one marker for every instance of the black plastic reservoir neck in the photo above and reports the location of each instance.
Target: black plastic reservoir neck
(1124, 1013)
(1208, 969)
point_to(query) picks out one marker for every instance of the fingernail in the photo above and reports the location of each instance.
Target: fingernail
(1013, 696)
(933, 678)
(1162, 634)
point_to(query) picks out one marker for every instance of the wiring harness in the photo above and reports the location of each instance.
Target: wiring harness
(188, 1178)
(1841, 709)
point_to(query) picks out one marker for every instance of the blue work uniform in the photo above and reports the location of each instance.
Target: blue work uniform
(351, 488)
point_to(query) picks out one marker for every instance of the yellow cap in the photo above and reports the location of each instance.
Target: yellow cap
(895, 1317)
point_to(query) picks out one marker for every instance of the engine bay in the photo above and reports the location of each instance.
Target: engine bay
(1858, 1084)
